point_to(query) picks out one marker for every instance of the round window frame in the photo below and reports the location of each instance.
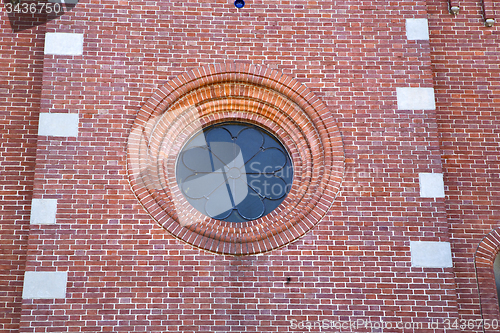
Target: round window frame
(261, 96)
(266, 134)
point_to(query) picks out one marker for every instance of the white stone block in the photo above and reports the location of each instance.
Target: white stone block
(62, 43)
(58, 124)
(415, 98)
(431, 254)
(43, 211)
(431, 185)
(417, 29)
(39, 285)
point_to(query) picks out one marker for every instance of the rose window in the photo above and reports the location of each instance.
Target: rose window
(235, 159)
(234, 172)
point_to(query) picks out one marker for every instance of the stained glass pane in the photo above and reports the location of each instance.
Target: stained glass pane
(234, 172)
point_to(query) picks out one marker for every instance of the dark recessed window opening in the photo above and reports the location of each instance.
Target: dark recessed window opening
(234, 172)
(496, 269)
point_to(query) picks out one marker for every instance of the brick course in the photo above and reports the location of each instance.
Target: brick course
(467, 85)
(21, 66)
(127, 274)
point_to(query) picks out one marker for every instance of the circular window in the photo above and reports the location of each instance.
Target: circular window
(234, 172)
(235, 159)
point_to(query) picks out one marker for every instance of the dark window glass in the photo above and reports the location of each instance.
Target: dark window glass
(496, 269)
(234, 172)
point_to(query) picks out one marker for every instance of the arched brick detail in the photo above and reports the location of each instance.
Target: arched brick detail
(485, 255)
(252, 94)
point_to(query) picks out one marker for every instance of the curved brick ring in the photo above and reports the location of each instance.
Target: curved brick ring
(243, 93)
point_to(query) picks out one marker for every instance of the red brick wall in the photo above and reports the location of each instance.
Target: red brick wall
(127, 274)
(21, 65)
(465, 57)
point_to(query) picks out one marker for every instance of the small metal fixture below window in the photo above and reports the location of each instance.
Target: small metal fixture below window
(454, 10)
(489, 22)
(239, 3)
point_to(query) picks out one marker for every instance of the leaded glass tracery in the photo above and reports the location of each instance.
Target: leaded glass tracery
(234, 172)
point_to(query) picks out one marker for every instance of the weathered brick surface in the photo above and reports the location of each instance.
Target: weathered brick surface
(127, 274)
(21, 65)
(465, 57)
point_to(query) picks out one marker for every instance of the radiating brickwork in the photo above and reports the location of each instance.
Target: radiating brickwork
(249, 94)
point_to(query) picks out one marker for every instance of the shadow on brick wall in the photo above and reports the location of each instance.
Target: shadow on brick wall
(26, 14)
